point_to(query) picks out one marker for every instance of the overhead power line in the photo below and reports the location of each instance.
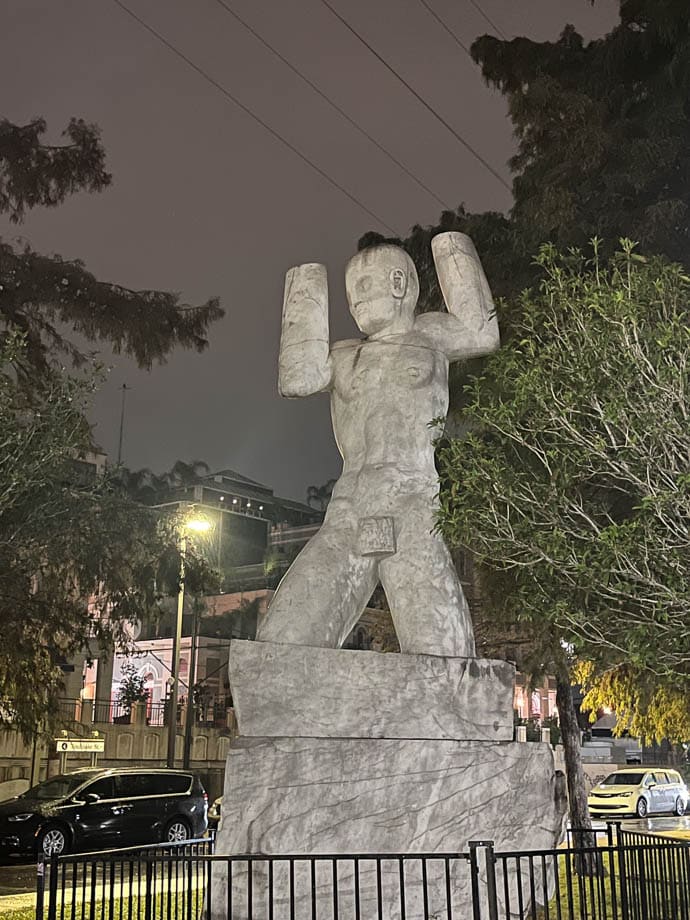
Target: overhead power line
(446, 27)
(272, 131)
(228, 9)
(493, 25)
(417, 96)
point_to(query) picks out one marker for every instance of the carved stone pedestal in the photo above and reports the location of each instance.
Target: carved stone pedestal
(356, 753)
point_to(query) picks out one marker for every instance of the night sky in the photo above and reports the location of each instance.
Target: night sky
(206, 202)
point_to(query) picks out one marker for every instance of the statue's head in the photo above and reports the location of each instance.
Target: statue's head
(382, 289)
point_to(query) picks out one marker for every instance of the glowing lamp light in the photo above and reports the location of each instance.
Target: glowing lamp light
(198, 525)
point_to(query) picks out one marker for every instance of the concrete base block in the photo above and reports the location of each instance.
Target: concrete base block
(296, 691)
(340, 796)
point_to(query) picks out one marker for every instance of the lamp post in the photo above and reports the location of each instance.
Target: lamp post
(190, 710)
(200, 526)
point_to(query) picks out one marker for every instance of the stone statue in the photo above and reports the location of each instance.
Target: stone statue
(385, 391)
(353, 752)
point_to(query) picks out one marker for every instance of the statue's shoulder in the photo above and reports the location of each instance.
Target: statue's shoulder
(431, 330)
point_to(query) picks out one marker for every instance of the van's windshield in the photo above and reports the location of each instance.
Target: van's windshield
(58, 787)
(623, 779)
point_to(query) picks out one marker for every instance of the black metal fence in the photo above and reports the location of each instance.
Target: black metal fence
(125, 883)
(627, 876)
(656, 873)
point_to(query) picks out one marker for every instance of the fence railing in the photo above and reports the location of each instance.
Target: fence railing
(628, 877)
(113, 712)
(657, 872)
(109, 883)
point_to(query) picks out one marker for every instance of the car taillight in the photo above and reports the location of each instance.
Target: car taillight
(206, 797)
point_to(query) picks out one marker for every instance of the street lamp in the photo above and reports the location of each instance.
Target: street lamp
(197, 525)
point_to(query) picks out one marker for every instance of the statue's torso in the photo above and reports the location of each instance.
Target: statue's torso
(384, 395)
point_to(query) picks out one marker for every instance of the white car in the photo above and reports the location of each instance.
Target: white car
(639, 791)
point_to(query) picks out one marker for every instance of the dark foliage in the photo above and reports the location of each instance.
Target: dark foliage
(46, 297)
(33, 173)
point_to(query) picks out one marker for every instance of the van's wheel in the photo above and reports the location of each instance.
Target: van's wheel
(680, 807)
(53, 841)
(642, 808)
(176, 831)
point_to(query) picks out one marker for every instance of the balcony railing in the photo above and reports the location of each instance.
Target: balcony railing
(113, 712)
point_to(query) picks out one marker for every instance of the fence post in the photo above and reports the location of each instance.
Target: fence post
(642, 880)
(52, 888)
(612, 870)
(148, 912)
(491, 880)
(490, 864)
(40, 886)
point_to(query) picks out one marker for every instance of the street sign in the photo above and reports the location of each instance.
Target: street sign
(80, 745)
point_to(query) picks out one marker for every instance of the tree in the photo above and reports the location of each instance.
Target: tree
(320, 496)
(151, 488)
(132, 687)
(574, 475)
(503, 630)
(33, 173)
(571, 483)
(78, 558)
(644, 707)
(603, 129)
(603, 133)
(230, 624)
(43, 296)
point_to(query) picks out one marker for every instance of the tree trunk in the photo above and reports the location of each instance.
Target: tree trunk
(575, 778)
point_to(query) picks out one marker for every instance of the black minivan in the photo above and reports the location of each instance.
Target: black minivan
(96, 808)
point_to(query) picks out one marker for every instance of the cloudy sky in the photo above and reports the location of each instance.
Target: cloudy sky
(206, 201)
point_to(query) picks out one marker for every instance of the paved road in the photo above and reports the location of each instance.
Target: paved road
(677, 827)
(17, 876)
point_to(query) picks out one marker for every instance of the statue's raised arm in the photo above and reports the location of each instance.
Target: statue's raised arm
(470, 328)
(305, 363)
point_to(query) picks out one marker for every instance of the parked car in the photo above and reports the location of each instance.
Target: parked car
(97, 808)
(214, 813)
(641, 792)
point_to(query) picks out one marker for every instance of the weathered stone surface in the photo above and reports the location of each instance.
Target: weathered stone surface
(385, 390)
(282, 690)
(302, 795)
(352, 796)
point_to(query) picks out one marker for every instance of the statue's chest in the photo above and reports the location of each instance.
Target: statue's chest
(377, 371)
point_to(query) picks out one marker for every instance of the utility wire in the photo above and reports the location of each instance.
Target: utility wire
(190, 63)
(447, 28)
(493, 25)
(333, 104)
(414, 92)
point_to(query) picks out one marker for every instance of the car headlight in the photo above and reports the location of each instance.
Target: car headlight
(625, 794)
(25, 817)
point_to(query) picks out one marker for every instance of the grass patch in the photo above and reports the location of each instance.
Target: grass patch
(179, 906)
(654, 877)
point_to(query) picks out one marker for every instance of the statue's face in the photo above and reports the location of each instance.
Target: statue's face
(378, 288)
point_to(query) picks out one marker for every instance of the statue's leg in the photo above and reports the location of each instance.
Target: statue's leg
(428, 607)
(323, 593)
